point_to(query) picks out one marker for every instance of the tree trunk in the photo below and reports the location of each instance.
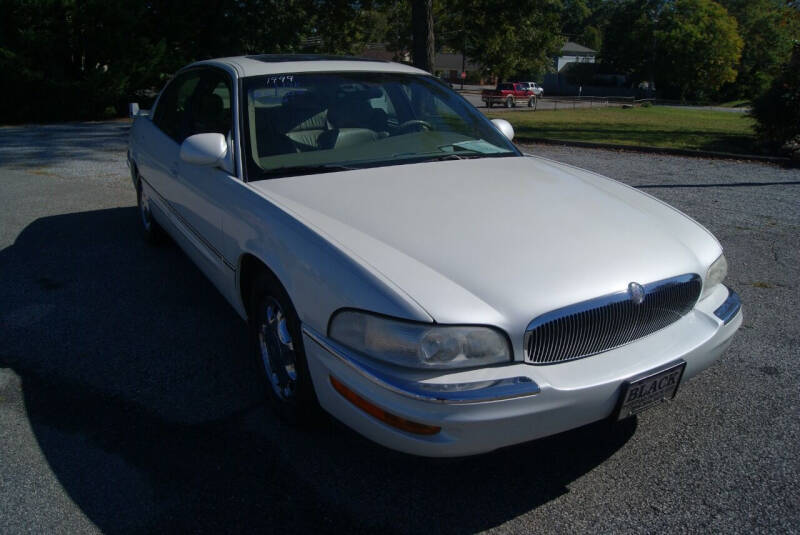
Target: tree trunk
(422, 34)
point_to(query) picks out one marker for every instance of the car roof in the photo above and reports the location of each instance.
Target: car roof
(296, 63)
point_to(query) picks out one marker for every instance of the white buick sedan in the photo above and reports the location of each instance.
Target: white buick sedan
(403, 266)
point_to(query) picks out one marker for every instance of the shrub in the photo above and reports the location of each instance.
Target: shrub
(778, 109)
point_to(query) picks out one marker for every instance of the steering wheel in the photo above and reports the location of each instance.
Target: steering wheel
(419, 124)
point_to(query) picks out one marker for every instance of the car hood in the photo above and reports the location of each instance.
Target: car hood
(496, 240)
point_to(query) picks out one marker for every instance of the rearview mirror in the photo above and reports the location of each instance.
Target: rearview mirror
(204, 149)
(505, 128)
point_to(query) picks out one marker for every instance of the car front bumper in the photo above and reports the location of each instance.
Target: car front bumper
(484, 409)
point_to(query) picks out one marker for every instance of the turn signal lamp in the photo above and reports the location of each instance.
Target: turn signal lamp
(380, 414)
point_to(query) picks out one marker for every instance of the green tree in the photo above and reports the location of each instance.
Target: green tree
(778, 110)
(689, 48)
(629, 39)
(399, 29)
(574, 17)
(81, 59)
(347, 27)
(768, 28)
(592, 37)
(507, 39)
(698, 47)
(583, 21)
(65, 59)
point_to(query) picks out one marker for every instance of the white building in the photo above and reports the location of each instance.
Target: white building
(573, 53)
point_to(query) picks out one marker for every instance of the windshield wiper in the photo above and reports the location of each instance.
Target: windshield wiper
(296, 170)
(467, 156)
(457, 156)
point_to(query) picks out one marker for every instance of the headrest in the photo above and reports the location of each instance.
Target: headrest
(349, 111)
(210, 104)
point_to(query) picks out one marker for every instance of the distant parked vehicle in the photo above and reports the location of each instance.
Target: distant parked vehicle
(534, 88)
(508, 94)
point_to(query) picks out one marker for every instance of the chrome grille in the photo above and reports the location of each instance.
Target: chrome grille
(600, 324)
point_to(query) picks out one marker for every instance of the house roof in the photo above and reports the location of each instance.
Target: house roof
(574, 49)
(450, 61)
(441, 61)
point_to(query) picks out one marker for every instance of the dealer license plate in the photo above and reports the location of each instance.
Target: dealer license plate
(649, 389)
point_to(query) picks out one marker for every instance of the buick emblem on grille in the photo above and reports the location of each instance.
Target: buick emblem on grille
(637, 293)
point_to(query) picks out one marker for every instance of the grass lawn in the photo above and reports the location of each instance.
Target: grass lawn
(741, 103)
(653, 127)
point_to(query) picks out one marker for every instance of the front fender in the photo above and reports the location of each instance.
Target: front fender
(319, 276)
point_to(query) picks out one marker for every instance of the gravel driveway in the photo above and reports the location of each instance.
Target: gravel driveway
(126, 406)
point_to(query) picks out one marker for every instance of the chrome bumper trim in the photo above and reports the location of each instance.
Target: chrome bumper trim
(451, 393)
(728, 310)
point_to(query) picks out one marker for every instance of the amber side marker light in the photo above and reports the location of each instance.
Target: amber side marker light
(382, 415)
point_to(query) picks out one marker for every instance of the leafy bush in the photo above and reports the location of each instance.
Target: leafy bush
(778, 109)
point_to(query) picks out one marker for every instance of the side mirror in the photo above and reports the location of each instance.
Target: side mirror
(134, 111)
(505, 128)
(204, 149)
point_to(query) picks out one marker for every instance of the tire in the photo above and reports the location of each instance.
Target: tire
(509, 102)
(150, 228)
(278, 354)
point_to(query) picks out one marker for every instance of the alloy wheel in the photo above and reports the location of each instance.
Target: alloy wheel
(277, 351)
(144, 210)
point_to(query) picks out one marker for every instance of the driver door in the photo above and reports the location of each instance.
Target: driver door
(200, 193)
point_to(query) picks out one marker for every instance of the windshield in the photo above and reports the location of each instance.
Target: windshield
(316, 122)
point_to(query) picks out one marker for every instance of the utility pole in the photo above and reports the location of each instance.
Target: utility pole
(422, 34)
(656, 10)
(463, 59)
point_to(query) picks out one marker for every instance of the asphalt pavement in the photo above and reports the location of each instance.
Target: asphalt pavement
(126, 403)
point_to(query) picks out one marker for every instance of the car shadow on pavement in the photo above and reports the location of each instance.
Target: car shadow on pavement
(134, 380)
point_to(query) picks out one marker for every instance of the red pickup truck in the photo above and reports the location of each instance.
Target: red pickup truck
(508, 94)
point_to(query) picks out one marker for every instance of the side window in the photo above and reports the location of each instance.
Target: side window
(211, 105)
(172, 114)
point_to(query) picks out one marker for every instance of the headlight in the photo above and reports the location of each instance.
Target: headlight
(715, 275)
(419, 345)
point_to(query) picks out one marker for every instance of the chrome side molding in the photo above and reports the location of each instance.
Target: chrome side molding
(728, 310)
(452, 393)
